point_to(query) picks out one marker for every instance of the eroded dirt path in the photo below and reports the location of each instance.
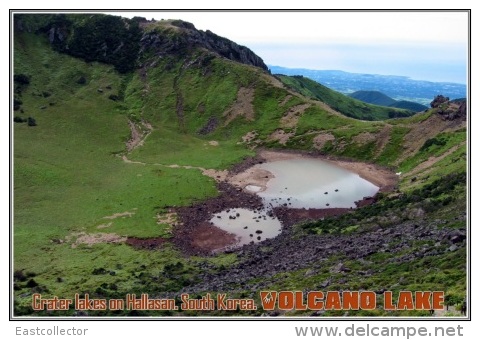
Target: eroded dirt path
(289, 123)
(321, 139)
(138, 134)
(426, 165)
(77, 239)
(382, 139)
(218, 175)
(425, 130)
(243, 106)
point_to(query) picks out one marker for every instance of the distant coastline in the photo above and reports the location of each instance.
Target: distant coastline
(397, 87)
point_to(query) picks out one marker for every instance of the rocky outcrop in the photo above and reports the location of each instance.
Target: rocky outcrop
(449, 110)
(125, 43)
(438, 101)
(56, 33)
(178, 37)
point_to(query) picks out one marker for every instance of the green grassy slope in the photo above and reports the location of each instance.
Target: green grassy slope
(67, 177)
(343, 104)
(407, 105)
(378, 98)
(373, 97)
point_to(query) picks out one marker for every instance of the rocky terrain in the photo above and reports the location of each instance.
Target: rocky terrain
(287, 253)
(160, 43)
(127, 42)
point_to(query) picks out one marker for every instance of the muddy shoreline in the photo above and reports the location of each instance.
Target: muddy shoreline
(196, 235)
(381, 176)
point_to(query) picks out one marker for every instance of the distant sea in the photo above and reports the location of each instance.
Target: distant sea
(397, 87)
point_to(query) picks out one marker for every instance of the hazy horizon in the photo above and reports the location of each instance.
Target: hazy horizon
(370, 59)
(369, 73)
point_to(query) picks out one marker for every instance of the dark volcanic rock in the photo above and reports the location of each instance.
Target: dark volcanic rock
(450, 110)
(438, 101)
(188, 37)
(210, 126)
(289, 253)
(128, 43)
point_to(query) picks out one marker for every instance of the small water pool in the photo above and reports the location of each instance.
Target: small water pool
(248, 225)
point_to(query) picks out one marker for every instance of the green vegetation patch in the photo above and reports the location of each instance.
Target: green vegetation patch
(169, 148)
(70, 182)
(435, 147)
(339, 102)
(392, 151)
(429, 197)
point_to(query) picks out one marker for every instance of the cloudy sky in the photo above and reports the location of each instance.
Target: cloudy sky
(422, 45)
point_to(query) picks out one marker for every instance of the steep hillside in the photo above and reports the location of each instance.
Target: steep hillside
(344, 104)
(125, 42)
(378, 98)
(111, 163)
(373, 97)
(408, 105)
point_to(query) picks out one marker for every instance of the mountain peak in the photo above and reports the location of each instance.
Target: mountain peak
(373, 97)
(125, 43)
(178, 36)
